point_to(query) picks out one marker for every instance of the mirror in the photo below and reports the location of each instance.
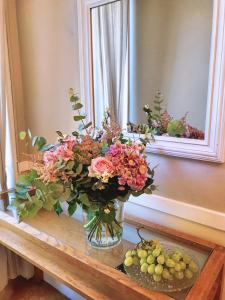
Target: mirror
(158, 65)
(163, 85)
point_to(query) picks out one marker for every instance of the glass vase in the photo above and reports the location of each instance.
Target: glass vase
(104, 225)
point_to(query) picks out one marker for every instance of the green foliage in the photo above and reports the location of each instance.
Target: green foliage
(33, 194)
(77, 106)
(58, 209)
(176, 128)
(72, 208)
(28, 179)
(79, 118)
(60, 134)
(22, 135)
(83, 199)
(107, 215)
(39, 142)
(36, 141)
(158, 100)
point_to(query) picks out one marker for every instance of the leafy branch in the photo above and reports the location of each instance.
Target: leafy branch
(77, 106)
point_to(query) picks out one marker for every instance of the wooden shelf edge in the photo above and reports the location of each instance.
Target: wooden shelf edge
(210, 274)
(175, 234)
(116, 280)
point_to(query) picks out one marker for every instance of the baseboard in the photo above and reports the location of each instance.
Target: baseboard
(190, 212)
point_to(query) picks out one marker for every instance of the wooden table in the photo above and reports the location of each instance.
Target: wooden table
(56, 245)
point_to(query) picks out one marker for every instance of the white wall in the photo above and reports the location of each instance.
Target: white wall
(172, 54)
(49, 56)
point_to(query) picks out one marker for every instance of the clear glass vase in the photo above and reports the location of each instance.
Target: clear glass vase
(104, 225)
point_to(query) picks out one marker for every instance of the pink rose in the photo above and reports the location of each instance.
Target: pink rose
(101, 167)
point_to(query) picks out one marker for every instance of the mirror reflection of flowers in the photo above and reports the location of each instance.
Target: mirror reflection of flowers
(160, 122)
(92, 168)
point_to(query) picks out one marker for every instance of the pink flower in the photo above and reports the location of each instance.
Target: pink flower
(102, 168)
(64, 150)
(130, 164)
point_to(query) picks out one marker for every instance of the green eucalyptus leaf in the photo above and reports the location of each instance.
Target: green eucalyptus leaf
(47, 147)
(74, 98)
(34, 141)
(72, 208)
(176, 128)
(77, 106)
(79, 169)
(58, 209)
(70, 164)
(59, 134)
(49, 203)
(41, 185)
(82, 126)
(28, 179)
(79, 118)
(65, 196)
(29, 133)
(56, 190)
(41, 141)
(83, 198)
(75, 133)
(22, 135)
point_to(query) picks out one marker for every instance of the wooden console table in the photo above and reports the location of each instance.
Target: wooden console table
(56, 245)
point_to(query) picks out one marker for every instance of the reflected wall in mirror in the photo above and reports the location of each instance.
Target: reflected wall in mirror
(169, 64)
(168, 44)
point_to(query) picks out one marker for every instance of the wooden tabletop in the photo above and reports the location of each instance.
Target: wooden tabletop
(57, 246)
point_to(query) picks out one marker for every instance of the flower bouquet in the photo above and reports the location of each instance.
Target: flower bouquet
(97, 169)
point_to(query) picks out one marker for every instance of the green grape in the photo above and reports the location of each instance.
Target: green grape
(129, 253)
(188, 274)
(133, 252)
(136, 261)
(179, 275)
(193, 266)
(166, 274)
(172, 270)
(176, 257)
(159, 247)
(143, 261)
(150, 259)
(144, 268)
(151, 269)
(186, 259)
(158, 269)
(161, 259)
(128, 261)
(156, 277)
(142, 253)
(179, 253)
(170, 263)
(177, 267)
(182, 265)
(156, 252)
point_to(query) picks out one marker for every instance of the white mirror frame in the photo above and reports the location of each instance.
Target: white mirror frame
(213, 147)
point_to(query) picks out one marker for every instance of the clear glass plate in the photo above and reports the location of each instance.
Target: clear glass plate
(146, 280)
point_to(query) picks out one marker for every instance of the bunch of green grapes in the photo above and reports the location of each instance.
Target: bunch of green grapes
(154, 260)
